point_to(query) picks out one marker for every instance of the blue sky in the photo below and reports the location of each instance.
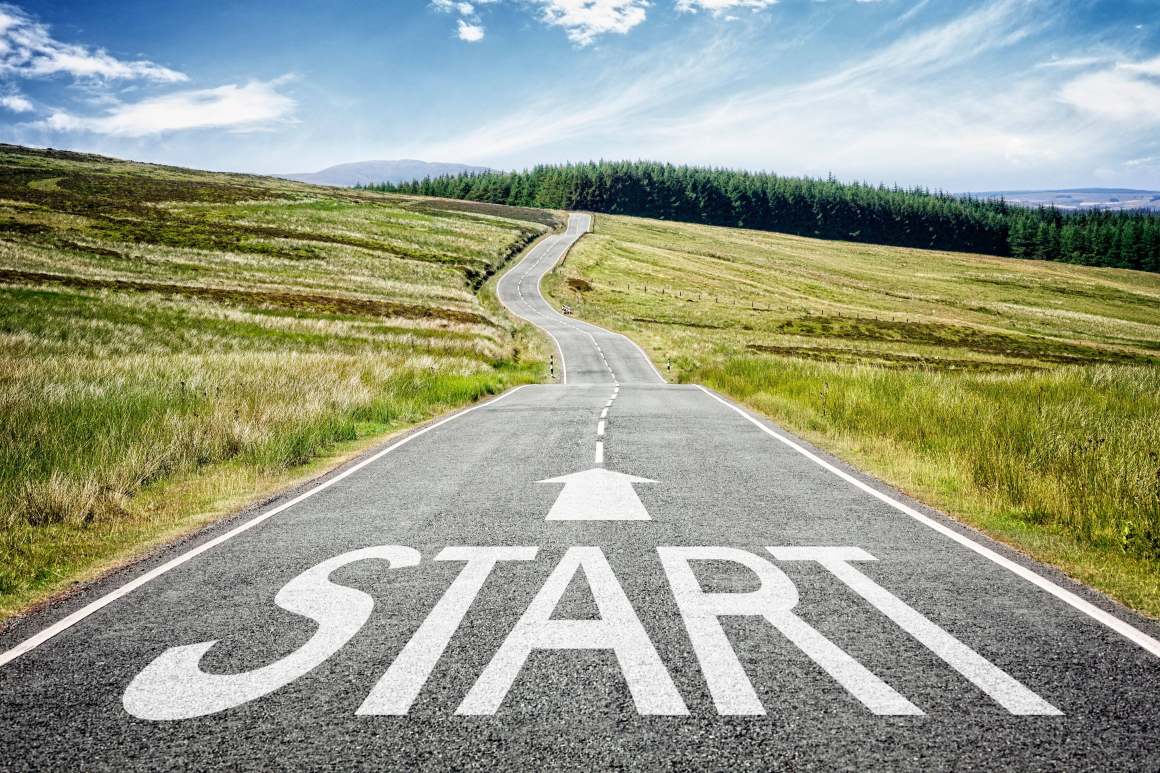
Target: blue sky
(960, 95)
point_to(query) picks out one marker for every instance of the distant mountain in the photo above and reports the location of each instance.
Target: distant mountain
(1079, 198)
(365, 172)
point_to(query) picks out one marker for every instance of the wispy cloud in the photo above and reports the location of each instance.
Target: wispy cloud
(470, 32)
(27, 50)
(1074, 61)
(932, 99)
(1129, 91)
(661, 80)
(469, 27)
(1150, 67)
(585, 20)
(239, 108)
(16, 103)
(719, 6)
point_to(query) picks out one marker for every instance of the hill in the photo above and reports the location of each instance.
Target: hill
(175, 343)
(825, 209)
(374, 172)
(1019, 396)
(1079, 198)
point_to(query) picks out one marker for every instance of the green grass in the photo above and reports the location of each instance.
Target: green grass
(176, 344)
(1020, 397)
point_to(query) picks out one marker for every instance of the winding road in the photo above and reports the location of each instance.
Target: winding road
(609, 571)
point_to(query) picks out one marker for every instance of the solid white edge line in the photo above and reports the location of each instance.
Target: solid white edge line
(1091, 610)
(626, 338)
(647, 359)
(36, 640)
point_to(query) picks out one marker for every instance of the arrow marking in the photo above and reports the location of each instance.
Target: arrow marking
(598, 495)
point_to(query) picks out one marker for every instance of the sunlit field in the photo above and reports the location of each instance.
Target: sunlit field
(1019, 396)
(175, 344)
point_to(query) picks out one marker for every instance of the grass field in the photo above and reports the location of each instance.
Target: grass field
(174, 344)
(1021, 397)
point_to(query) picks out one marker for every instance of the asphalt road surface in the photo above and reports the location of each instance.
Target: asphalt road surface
(605, 572)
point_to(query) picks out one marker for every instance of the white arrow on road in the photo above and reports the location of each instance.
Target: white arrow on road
(597, 495)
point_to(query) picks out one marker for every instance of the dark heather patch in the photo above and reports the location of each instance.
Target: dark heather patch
(315, 303)
(543, 217)
(956, 336)
(676, 322)
(890, 360)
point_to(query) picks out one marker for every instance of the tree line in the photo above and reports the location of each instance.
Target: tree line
(825, 209)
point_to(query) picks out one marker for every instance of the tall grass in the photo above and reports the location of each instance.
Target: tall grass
(1074, 450)
(174, 345)
(81, 438)
(996, 390)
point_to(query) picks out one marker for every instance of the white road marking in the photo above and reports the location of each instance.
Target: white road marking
(173, 686)
(598, 495)
(600, 429)
(599, 452)
(618, 629)
(1091, 610)
(728, 684)
(63, 625)
(992, 680)
(400, 685)
(604, 413)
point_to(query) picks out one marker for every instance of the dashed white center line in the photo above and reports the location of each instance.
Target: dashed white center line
(599, 452)
(604, 413)
(600, 429)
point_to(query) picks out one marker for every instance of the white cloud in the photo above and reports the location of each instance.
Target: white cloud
(470, 32)
(1121, 93)
(1074, 61)
(16, 103)
(935, 101)
(584, 20)
(241, 108)
(717, 6)
(27, 50)
(1150, 67)
(469, 28)
(992, 26)
(658, 79)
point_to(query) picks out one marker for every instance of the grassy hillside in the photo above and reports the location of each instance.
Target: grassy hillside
(1019, 396)
(175, 343)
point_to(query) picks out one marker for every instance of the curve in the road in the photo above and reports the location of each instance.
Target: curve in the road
(588, 354)
(520, 292)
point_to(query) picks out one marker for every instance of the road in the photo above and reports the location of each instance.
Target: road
(605, 572)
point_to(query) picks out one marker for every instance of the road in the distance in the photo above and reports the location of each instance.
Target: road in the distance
(703, 592)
